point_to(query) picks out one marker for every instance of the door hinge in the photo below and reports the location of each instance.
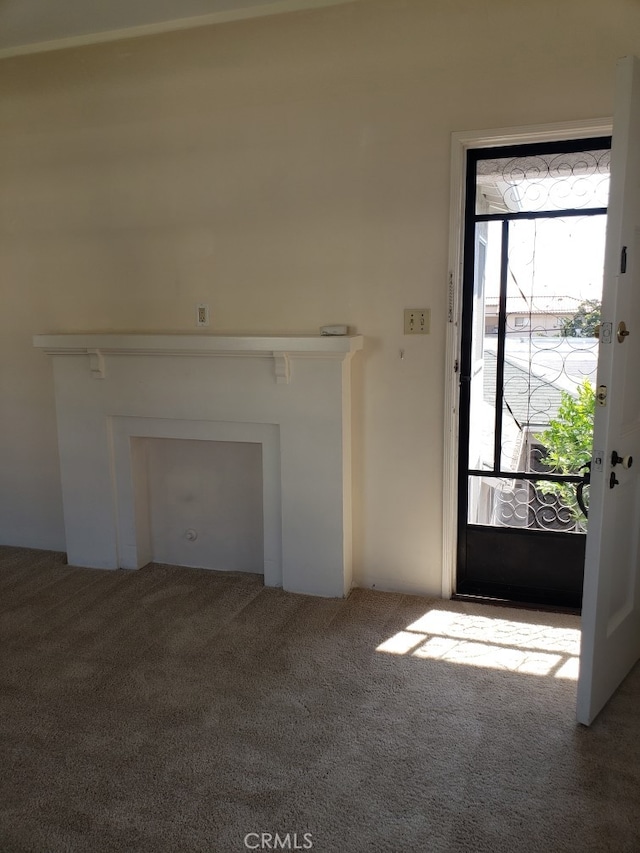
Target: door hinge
(456, 366)
(623, 260)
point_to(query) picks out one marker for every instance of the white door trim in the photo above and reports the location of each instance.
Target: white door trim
(461, 142)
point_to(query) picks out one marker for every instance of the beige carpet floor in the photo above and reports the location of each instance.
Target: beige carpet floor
(180, 710)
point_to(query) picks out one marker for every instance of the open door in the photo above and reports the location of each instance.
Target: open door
(611, 602)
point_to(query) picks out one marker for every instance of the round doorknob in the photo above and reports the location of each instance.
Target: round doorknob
(625, 461)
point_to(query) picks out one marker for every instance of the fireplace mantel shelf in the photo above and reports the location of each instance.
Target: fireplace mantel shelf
(280, 348)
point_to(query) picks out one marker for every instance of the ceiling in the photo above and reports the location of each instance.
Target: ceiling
(32, 26)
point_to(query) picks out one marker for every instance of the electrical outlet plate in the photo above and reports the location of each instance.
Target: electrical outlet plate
(417, 321)
(202, 314)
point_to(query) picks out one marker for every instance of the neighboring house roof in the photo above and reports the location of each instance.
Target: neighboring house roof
(533, 401)
(538, 305)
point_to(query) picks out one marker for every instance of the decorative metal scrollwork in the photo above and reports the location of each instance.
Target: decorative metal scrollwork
(545, 182)
(539, 506)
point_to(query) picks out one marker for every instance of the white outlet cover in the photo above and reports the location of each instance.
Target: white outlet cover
(202, 314)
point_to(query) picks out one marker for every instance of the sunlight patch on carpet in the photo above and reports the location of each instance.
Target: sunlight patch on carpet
(491, 643)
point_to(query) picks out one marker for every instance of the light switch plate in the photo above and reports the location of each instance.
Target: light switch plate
(417, 321)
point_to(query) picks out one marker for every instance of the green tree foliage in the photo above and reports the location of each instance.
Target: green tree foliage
(568, 442)
(584, 321)
(569, 435)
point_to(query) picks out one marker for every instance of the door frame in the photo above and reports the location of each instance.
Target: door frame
(461, 142)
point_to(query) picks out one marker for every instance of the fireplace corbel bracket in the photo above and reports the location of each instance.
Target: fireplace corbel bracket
(96, 363)
(282, 367)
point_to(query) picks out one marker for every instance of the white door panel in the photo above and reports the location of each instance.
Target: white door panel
(611, 603)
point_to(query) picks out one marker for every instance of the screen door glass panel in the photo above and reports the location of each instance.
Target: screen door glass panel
(539, 252)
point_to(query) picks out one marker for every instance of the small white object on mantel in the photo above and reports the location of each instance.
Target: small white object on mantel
(204, 388)
(336, 330)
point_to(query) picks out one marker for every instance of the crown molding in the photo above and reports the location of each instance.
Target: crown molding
(278, 7)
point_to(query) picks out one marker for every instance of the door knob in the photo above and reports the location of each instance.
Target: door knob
(625, 461)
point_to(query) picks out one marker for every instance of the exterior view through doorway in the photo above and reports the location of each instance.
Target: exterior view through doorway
(534, 236)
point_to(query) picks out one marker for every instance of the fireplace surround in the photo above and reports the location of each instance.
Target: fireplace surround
(291, 395)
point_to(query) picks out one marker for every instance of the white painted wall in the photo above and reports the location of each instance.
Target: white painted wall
(291, 171)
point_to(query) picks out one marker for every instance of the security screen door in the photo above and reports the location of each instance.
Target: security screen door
(535, 223)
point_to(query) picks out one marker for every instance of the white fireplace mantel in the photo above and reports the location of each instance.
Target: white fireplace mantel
(280, 348)
(208, 388)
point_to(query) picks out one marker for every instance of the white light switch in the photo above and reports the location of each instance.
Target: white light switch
(417, 321)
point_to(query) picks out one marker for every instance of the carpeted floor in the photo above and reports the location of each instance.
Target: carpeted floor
(181, 710)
